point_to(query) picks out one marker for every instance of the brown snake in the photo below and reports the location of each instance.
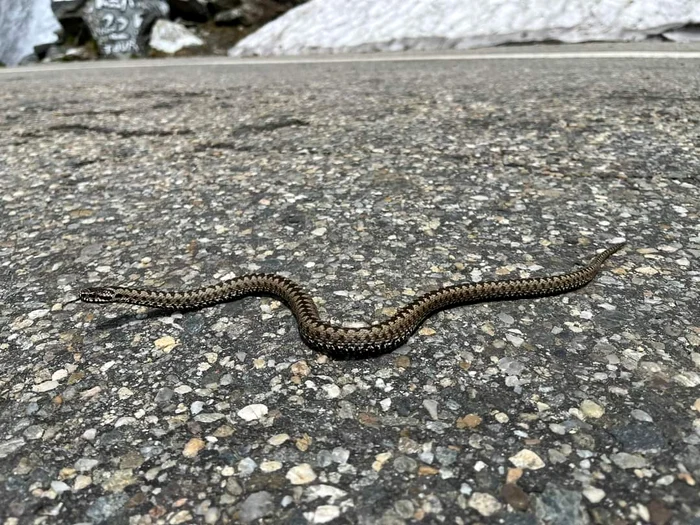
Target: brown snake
(351, 343)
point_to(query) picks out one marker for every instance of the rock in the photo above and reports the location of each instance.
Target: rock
(405, 464)
(121, 28)
(625, 460)
(640, 437)
(511, 366)
(10, 446)
(119, 480)
(193, 447)
(256, 506)
(106, 507)
(594, 494)
(33, 432)
(640, 415)
(182, 516)
(515, 496)
(278, 439)
(301, 474)
(86, 464)
(45, 386)
(469, 421)
(81, 481)
(445, 456)
(59, 487)
(527, 459)
(340, 455)
(24, 26)
(323, 514)
(485, 504)
(246, 467)
(560, 507)
(170, 37)
(659, 514)
(253, 412)
(164, 395)
(591, 409)
(432, 407)
(270, 466)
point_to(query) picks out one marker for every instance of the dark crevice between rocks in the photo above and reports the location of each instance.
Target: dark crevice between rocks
(124, 133)
(269, 126)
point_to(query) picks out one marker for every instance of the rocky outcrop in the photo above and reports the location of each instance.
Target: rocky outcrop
(122, 27)
(170, 37)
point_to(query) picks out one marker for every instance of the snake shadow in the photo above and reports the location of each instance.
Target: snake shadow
(130, 317)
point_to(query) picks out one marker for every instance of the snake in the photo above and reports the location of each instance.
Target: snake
(351, 342)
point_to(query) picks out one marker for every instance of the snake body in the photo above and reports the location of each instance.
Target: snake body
(350, 343)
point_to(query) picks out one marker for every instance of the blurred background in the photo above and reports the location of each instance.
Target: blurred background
(62, 30)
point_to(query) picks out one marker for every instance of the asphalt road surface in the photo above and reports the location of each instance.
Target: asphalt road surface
(369, 182)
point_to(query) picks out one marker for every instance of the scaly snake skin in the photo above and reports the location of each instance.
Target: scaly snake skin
(350, 343)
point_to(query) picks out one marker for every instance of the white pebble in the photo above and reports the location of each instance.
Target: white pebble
(640, 415)
(253, 412)
(527, 459)
(81, 482)
(59, 487)
(45, 386)
(301, 474)
(124, 393)
(209, 417)
(332, 390)
(323, 514)
(432, 407)
(591, 409)
(278, 439)
(270, 466)
(36, 314)
(515, 340)
(484, 504)
(593, 494)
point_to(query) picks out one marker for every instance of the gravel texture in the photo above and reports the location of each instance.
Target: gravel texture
(369, 183)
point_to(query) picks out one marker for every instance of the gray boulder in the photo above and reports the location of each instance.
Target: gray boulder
(122, 28)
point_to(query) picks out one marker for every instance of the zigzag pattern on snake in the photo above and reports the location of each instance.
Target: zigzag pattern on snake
(351, 343)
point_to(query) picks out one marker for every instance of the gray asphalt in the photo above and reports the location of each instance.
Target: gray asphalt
(369, 183)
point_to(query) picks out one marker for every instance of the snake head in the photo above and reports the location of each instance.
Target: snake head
(97, 295)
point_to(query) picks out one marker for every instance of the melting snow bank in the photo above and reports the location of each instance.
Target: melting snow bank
(23, 25)
(337, 26)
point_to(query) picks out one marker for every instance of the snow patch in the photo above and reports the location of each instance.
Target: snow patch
(25, 24)
(337, 26)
